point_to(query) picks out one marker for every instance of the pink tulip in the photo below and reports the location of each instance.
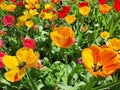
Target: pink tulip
(1, 43)
(29, 43)
(8, 20)
(1, 55)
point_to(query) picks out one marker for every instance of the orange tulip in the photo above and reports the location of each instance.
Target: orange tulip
(100, 61)
(63, 36)
(104, 9)
(1, 1)
(114, 43)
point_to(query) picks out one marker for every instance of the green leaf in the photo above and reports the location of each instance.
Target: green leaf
(92, 83)
(64, 86)
(74, 70)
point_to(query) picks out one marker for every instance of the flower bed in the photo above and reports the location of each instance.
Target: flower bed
(59, 44)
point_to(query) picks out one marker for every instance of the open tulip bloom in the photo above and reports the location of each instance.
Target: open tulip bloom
(25, 58)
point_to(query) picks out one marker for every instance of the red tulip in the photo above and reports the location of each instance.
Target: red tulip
(102, 1)
(62, 13)
(13, 1)
(20, 3)
(82, 4)
(117, 5)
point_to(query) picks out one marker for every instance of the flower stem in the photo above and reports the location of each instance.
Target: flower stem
(66, 62)
(66, 66)
(31, 82)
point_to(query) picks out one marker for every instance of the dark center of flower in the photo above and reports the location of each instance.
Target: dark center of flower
(21, 65)
(97, 67)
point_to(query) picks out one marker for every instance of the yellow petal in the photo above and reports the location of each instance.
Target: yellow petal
(23, 54)
(27, 55)
(14, 75)
(87, 57)
(29, 23)
(32, 60)
(10, 62)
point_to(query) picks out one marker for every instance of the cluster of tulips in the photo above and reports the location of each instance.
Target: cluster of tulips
(23, 21)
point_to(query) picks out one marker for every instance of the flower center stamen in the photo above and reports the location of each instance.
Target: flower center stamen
(97, 67)
(21, 65)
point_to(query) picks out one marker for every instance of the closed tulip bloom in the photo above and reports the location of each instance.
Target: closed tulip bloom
(70, 19)
(82, 4)
(105, 34)
(104, 9)
(85, 10)
(29, 23)
(1, 56)
(102, 1)
(114, 43)
(29, 43)
(8, 20)
(117, 5)
(63, 36)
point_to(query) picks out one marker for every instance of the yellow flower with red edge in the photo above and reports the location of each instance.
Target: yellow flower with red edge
(85, 10)
(100, 61)
(47, 15)
(104, 9)
(33, 12)
(63, 36)
(25, 58)
(70, 19)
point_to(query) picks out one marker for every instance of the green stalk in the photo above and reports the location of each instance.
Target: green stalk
(66, 67)
(31, 82)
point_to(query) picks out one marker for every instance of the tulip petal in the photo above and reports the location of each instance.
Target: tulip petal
(14, 75)
(28, 56)
(87, 57)
(23, 54)
(10, 62)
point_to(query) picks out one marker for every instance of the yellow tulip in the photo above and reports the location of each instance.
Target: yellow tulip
(84, 10)
(70, 19)
(25, 58)
(105, 34)
(29, 23)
